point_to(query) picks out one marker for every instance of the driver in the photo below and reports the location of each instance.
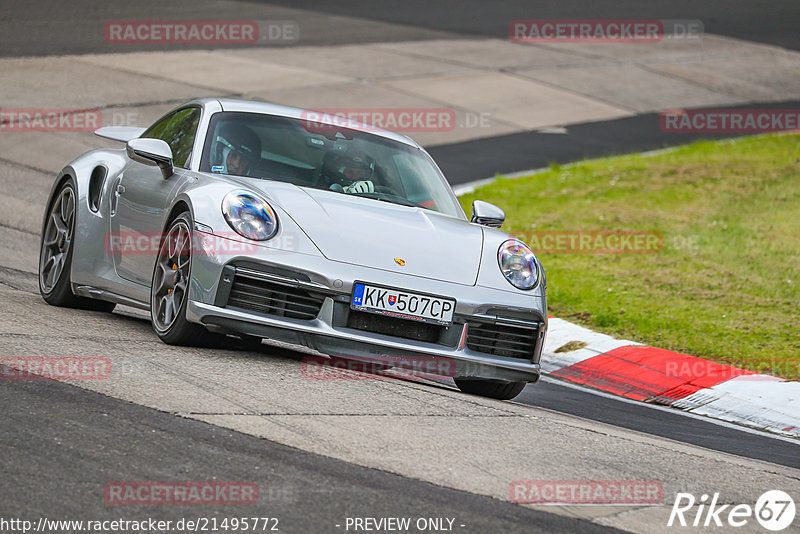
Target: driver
(238, 148)
(349, 172)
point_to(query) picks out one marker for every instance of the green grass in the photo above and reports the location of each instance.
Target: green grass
(725, 286)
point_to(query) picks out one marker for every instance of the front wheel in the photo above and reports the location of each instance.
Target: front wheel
(169, 291)
(490, 388)
(55, 254)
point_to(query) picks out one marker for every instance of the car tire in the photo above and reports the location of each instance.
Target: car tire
(490, 388)
(55, 253)
(169, 288)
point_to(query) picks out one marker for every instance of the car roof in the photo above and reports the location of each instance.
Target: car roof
(320, 116)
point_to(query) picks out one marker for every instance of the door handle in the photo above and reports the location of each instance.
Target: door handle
(118, 189)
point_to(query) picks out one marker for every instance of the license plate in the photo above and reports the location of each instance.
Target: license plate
(402, 304)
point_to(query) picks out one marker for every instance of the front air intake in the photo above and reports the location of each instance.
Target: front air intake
(272, 298)
(512, 341)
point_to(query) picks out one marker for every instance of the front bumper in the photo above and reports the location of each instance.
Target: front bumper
(329, 332)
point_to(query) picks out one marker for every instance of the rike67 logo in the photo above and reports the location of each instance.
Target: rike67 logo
(774, 510)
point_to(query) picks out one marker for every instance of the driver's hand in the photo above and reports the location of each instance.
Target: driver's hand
(364, 186)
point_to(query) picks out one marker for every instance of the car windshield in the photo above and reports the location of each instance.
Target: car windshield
(325, 157)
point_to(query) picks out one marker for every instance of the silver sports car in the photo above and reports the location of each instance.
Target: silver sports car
(242, 221)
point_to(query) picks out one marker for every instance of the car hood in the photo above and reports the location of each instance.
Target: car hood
(382, 235)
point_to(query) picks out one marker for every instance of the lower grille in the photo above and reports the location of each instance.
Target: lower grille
(513, 341)
(391, 326)
(274, 299)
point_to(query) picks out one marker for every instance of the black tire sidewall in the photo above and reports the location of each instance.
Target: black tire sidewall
(181, 331)
(61, 294)
(490, 388)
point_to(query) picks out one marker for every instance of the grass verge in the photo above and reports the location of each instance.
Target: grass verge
(724, 284)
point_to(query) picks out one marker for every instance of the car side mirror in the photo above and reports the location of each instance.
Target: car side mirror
(487, 214)
(151, 152)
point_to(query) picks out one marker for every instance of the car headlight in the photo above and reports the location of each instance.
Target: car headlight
(249, 216)
(518, 264)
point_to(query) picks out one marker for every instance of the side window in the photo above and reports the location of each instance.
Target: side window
(178, 130)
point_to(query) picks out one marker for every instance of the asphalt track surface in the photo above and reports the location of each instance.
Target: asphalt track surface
(61, 443)
(482, 158)
(752, 20)
(76, 27)
(658, 421)
(42, 27)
